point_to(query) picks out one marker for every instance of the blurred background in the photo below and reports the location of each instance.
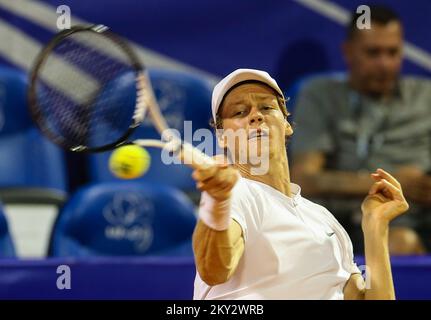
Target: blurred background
(132, 239)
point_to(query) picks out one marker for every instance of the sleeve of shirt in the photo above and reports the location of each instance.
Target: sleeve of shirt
(311, 119)
(244, 210)
(354, 268)
(238, 208)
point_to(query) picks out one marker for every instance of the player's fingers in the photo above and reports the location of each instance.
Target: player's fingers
(213, 184)
(201, 186)
(218, 183)
(391, 191)
(205, 173)
(388, 177)
(380, 188)
(205, 186)
(228, 173)
(376, 177)
(375, 188)
(222, 193)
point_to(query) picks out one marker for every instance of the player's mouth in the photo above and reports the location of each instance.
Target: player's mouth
(258, 133)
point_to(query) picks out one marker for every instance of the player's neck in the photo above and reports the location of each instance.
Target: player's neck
(277, 175)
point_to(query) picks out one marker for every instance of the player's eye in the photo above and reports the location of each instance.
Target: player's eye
(267, 107)
(239, 111)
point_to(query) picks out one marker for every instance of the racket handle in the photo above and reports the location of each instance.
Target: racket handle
(187, 153)
(195, 158)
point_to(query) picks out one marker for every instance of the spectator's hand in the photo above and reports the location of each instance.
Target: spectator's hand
(218, 181)
(384, 202)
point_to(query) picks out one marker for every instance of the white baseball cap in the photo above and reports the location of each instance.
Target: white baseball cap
(235, 78)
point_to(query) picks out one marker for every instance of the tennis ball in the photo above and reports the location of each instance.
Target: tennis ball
(129, 162)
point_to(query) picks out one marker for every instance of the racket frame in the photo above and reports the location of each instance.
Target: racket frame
(145, 102)
(35, 110)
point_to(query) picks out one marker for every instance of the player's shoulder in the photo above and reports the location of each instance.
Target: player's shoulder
(244, 188)
(248, 194)
(317, 207)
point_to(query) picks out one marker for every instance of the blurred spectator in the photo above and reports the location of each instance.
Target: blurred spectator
(373, 118)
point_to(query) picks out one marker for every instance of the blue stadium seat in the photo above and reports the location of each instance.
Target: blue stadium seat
(124, 219)
(6, 245)
(32, 169)
(14, 116)
(181, 97)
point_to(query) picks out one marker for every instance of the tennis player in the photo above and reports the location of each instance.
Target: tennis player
(257, 237)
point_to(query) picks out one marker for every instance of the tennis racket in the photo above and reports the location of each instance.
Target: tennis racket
(80, 95)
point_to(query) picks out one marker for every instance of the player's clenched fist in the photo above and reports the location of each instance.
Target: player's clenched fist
(218, 181)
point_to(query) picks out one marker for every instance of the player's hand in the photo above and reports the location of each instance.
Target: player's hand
(218, 180)
(384, 202)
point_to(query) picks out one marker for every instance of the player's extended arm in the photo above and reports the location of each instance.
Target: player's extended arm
(218, 242)
(217, 253)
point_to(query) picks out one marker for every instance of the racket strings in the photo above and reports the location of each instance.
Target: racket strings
(85, 91)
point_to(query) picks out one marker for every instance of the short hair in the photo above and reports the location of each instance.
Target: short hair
(380, 14)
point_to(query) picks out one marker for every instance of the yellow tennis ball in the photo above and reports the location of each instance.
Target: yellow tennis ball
(129, 162)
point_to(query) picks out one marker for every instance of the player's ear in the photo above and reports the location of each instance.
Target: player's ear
(221, 138)
(288, 128)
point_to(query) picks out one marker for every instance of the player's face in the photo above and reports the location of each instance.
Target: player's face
(374, 57)
(253, 110)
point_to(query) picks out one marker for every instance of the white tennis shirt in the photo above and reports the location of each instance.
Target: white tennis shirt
(294, 248)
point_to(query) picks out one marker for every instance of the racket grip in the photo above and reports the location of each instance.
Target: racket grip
(195, 158)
